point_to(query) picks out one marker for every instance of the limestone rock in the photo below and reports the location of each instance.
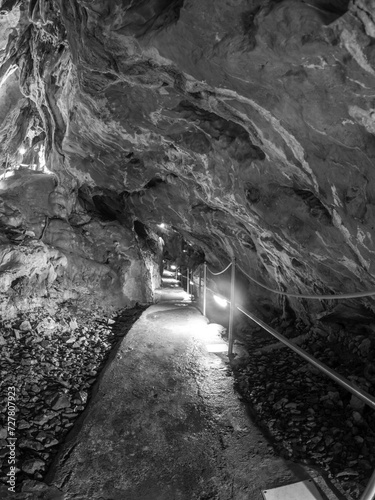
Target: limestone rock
(61, 401)
(33, 465)
(238, 144)
(25, 326)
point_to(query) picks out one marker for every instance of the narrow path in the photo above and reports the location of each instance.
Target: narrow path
(164, 422)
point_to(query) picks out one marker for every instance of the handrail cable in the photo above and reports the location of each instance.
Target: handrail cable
(364, 396)
(305, 296)
(359, 393)
(221, 272)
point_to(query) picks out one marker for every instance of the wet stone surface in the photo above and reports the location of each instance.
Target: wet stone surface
(308, 417)
(52, 360)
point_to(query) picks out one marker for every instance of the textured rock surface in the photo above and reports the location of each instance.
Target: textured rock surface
(164, 422)
(54, 250)
(58, 360)
(247, 126)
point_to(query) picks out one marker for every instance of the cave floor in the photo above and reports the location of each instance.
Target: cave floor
(164, 422)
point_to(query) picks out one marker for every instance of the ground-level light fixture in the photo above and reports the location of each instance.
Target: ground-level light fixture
(217, 347)
(173, 267)
(219, 300)
(162, 225)
(22, 150)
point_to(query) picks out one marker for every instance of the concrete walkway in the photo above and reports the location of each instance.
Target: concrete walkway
(165, 423)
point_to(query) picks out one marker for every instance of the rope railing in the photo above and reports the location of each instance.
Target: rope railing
(221, 272)
(369, 493)
(351, 295)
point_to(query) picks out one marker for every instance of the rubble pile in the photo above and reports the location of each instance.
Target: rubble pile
(308, 417)
(52, 361)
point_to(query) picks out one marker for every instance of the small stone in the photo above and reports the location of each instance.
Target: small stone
(347, 472)
(41, 436)
(25, 326)
(291, 405)
(43, 419)
(78, 408)
(51, 442)
(50, 398)
(365, 347)
(64, 383)
(334, 395)
(357, 417)
(73, 324)
(46, 324)
(82, 396)
(52, 424)
(2, 340)
(23, 424)
(3, 433)
(62, 401)
(33, 465)
(357, 404)
(30, 444)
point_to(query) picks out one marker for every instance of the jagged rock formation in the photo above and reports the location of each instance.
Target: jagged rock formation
(246, 126)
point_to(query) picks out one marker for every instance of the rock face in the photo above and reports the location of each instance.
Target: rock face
(54, 250)
(246, 126)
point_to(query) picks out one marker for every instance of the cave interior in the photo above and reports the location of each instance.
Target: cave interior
(137, 135)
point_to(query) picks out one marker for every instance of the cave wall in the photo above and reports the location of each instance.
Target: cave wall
(248, 126)
(55, 249)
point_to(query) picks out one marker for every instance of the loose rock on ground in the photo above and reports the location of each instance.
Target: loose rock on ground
(52, 360)
(309, 417)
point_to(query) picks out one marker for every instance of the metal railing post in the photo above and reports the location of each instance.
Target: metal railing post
(188, 281)
(369, 493)
(200, 282)
(232, 307)
(204, 288)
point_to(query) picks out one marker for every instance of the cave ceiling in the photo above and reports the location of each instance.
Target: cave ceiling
(246, 125)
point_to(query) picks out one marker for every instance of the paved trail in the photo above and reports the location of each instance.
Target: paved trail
(165, 423)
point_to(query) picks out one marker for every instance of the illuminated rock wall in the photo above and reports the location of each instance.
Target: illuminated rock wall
(247, 126)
